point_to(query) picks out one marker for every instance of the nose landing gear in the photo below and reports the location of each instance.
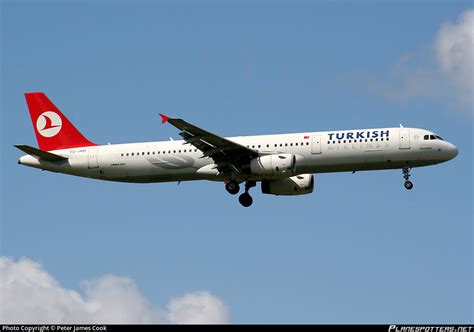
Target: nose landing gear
(406, 175)
(245, 199)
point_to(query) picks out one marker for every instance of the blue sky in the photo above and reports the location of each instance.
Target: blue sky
(360, 249)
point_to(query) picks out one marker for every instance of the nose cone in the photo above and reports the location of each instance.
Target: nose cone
(452, 151)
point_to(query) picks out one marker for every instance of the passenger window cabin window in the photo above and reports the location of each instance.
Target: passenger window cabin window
(333, 142)
(127, 154)
(296, 144)
(286, 144)
(307, 143)
(276, 145)
(268, 145)
(259, 146)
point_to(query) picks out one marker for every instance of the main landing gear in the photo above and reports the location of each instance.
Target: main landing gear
(406, 175)
(245, 199)
(232, 187)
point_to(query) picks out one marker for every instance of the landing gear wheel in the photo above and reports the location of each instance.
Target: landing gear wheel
(406, 176)
(245, 199)
(232, 187)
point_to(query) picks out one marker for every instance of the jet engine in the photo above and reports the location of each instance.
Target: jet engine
(273, 165)
(296, 185)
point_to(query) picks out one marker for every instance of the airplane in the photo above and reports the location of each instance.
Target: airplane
(284, 164)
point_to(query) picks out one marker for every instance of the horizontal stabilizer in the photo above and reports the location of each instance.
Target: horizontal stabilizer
(37, 153)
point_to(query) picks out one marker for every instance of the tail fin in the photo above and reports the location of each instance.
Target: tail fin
(53, 130)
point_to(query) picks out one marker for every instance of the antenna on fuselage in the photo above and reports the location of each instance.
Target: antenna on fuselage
(401, 126)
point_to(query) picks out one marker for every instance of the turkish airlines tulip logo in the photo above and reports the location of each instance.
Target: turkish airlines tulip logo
(48, 124)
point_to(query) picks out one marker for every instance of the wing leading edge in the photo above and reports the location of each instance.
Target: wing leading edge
(227, 155)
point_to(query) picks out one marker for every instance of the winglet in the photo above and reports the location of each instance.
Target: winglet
(164, 118)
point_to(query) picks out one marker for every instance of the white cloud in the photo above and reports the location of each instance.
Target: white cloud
(455, 53)
(407, 80)
(198, 308)
(29, 294)
(444, 69)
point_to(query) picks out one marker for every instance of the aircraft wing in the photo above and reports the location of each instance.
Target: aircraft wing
(227, 155)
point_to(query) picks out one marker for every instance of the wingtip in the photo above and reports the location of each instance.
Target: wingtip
(164, 118)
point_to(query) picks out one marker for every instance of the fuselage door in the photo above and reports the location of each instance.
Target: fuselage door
(404, 139)
(316, 145)
(93, 158)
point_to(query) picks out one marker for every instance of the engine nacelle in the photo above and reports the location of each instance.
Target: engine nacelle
(295, 185)
(273, 165)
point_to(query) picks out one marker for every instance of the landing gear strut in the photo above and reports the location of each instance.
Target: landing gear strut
(232, 187)
(406, 175)
(245, 199)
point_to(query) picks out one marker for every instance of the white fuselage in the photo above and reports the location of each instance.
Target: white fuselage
(316, 152)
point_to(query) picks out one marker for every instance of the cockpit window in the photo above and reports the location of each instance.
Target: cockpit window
(432, 137)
